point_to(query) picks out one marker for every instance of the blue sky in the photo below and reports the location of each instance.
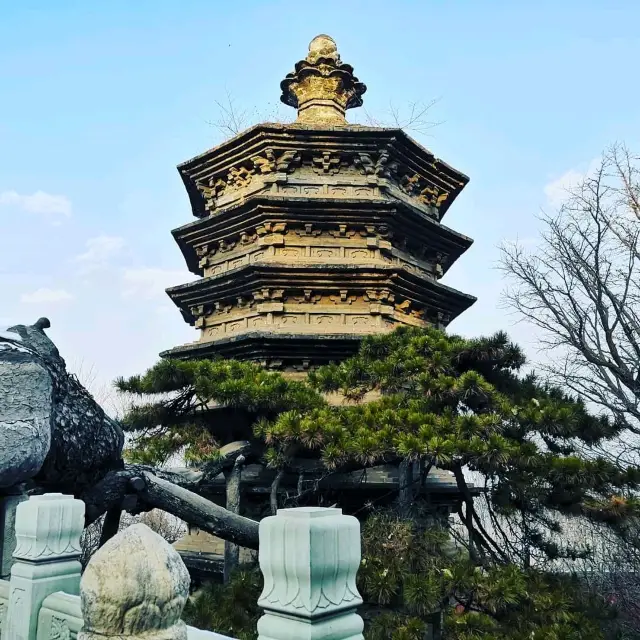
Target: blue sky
(99, 101)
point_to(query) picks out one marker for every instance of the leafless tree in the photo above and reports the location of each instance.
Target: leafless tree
(413, 117)
(609, 571)
(581, 287)
(163, 523)
(231, 119)
(114, 403)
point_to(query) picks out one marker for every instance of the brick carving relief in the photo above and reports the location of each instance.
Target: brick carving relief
(325, 163)
(280, 310)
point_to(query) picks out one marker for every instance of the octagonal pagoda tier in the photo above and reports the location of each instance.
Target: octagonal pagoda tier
(314, 234)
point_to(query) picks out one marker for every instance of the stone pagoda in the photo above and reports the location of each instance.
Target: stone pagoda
(309, 236)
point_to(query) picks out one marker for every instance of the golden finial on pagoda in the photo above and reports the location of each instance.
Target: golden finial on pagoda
(322, 87)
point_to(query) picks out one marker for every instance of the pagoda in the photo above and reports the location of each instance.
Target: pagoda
(311, 235)
(308, 237)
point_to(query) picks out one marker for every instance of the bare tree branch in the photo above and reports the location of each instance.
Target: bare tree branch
(581, 287)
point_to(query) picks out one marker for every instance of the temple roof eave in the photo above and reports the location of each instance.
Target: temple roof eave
(270, 207)
(347, 138)
(247, 278)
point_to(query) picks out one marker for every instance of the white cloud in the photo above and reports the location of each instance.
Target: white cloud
(558, 191)
(46, 296)
(99, 251)
(39, 202)
(149, 282)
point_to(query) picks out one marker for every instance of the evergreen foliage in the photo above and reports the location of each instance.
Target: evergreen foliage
(420, 399)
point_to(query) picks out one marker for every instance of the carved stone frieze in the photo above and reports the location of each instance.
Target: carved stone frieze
(369, 164)
(343, 232)
(308, 230)
(289, 161)
(271, 227)
(327, 162)
(265, 163)
(308, 297)
(239, 177)
(343, 297)
(379, 296)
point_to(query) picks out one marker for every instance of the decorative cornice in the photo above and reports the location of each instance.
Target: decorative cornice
(406, 227)
(270, 150)
(331, 280)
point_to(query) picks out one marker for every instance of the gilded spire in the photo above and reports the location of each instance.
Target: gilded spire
(322, 87)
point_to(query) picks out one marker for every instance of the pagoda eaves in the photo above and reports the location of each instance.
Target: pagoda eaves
(314, 234)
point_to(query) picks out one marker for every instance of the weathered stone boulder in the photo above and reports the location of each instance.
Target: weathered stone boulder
(135, 586)
(51, 428)
(26, 405)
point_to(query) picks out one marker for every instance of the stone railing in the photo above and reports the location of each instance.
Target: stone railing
(136, 585)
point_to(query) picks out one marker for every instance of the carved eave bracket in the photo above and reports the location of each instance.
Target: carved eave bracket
(322, 87)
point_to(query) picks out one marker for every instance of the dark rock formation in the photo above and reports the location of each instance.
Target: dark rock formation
(51, 428)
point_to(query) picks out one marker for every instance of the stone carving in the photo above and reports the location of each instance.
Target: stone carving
(308, 297)
(343, 298)
(410, 184)
(136, 585)
(289, 161)
(265, 163)
(49, 526)
(59, 629)
(17, 614)
(271, 227)
(25, 415)
(69, 442)
(379, 296)
(268, 294)
(48, 529)
(409, 308)
(326, 162)
(429, 195)
(309, 558)
(239, 177)
(308, 230)
(322, 87)
(242, 176)
(3, 615)
(247, 238)
(342, 232)
(380, 167)
(222, 307)
(384, 168)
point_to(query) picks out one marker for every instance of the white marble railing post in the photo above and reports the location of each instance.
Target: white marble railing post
(309, 558)
(135, 586)
(46, 559)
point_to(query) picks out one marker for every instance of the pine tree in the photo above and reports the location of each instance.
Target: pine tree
(418, 398)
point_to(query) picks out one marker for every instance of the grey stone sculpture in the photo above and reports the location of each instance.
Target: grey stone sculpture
(51, 429)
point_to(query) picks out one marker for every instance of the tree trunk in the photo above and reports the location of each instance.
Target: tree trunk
(110, 525)
(275, 486)
(232, 550)
(405, 484)
(153, 491)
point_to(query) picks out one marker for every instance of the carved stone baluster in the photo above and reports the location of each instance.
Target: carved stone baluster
(135, 586)
(47, 554)
(309, 558)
